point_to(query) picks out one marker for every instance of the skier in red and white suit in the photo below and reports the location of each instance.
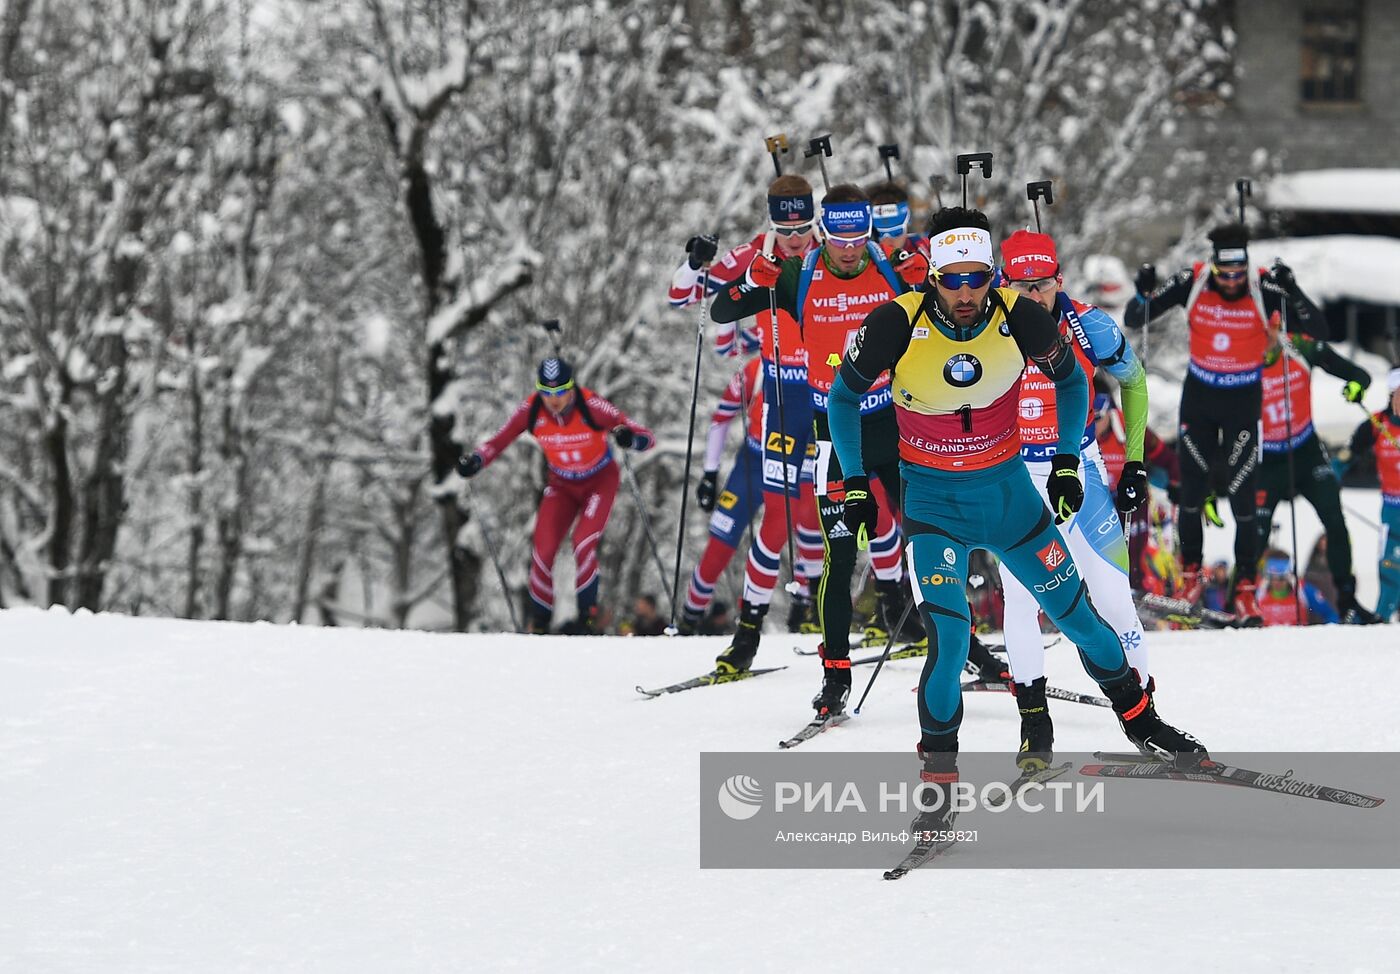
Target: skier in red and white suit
(573, 425)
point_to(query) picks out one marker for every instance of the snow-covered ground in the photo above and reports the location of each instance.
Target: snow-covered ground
(179, 796)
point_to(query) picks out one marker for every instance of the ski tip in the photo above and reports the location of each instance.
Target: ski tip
(649, 694)
(893, 873)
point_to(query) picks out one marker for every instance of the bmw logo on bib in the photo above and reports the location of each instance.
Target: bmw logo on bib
(962, 371)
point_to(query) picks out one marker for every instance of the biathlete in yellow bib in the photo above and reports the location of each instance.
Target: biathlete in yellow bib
(955, 354)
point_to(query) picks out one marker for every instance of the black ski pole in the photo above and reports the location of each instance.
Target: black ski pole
(1041, 189)
(938, 183)
(1243, 188)
(821, 148)
(888, 152)
(1147, 307)
(965, 162)
(1288, 440)
(785, 444)
(478, 516)
(671, 629)
(889, 645)
(646, 524)
(777, 147)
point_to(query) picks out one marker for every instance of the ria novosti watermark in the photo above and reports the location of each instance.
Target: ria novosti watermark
(864, 810)
(741, 797)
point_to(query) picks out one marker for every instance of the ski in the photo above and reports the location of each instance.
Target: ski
(1049, 639)
(1054, 693)
(914, 650)
(1124, 757)
(814, 728)
(857, 640)
(924, 850)
(1223, 774)
(1034, 776)
(708, 680)
(872, 638)
(907, 651)
(1186, 613)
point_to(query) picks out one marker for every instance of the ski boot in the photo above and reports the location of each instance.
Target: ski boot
(738, 656)
(537, 619)
(1150, 734)
(836, 685)
(689, 623)
(1243, 602)
(799, 613)
(1353, 613)
(1037, 731)
(893, 600)
(989, 668)
(1193, 583)
(937, 782)
(584, 624)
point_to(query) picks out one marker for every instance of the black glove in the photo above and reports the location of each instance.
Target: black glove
(1132, 487)
(469, 466)
(1283, 277)
(705, 491)
(1065, 490)
(861, 510)
(702, 250)
(630, 439)
(1146, 280)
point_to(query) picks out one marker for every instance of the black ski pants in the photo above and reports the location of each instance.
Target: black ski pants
(1218, 442)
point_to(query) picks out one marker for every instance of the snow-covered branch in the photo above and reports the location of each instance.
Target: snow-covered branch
(480, 297)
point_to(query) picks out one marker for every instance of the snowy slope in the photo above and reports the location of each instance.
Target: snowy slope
(208, 797)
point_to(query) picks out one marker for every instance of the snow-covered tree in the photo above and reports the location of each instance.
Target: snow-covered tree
(266, 269)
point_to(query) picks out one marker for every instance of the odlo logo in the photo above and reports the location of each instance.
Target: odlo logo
(740, 797)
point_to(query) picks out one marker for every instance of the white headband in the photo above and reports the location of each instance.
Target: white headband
(961, 245)
(1392, 380)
